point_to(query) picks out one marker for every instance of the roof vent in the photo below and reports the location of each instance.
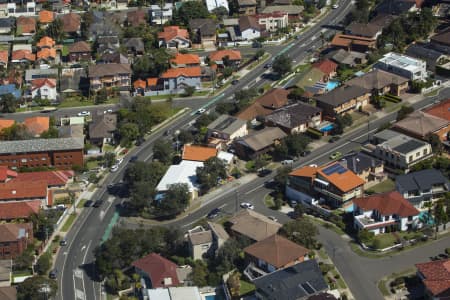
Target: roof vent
(13, 192)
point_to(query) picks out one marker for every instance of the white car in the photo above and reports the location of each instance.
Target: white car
(119, 161)
(84, 113)
(108, 111)
(334, 6)
(200, 111)
(247, 205)
(114, 168)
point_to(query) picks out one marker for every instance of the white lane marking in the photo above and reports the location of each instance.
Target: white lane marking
(84, 289)
(82, 248)
(102, 214)
(86, 252)
(252, 190)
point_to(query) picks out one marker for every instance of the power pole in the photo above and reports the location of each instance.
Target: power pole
(237, 202)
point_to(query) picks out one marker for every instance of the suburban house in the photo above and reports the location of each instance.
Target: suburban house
(441, 41)
(422, 186)
(200, 242)
(46, 56)
(253, 225)
(185, 172)
(432, 57)
(333, 184)
(271, 254)
(368, 30)
(134, 46)
(10, 89)
(173, 293)
(174, 37)
(161, 15)
(109, 43)
(435, 276)
(380, 82)
(420, 124)
(347, 58)
(328, 68)
(45, 42)
(109, 76)
(73, 81)
(46, 17)
(11, 211)
(220, 236)
(265, 105)
(353, 43)
(249, 28)
(31, 74)
(181, 60)
(271, 22)
(233, 57)
(398, 150)
(60, 153)
(79, 51)
(368, 168)
(203, 32)
(300, 281)
(295, 118)
(137, 17)
(6, 25)
(406, 66)
(440, 110)
(22, 56)
(294, 12)
(258, 142)
(4, 57)
(160, 271)
(44, 89)
(102, 128)
(37, 125)
(15, 239)
(25, 25)
(342, 100)
(213, 4)
(71, 23)
(385, 212)
(225, 129)
(247, 7)
(176, 80)
(198, 153)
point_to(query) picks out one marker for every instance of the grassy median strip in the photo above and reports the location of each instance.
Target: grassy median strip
(81, 203)
(69, 222)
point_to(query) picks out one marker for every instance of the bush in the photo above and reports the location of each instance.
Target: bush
(337, 276)
(325, 268)
(447, 251)
(43, 264)
(314, 133)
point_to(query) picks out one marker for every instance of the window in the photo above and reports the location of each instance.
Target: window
(410, 158)
(417, 154)
(425, 151)
(24, 160)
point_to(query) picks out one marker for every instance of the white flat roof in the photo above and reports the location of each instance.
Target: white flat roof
(401, 61)
(158, 294)
(185, 172)
(212, 4)
(184, 293)
(227, 157)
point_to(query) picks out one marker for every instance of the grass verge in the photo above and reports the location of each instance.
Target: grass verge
(269, 202)
(81, 203)
(246, 287)
(68, 222)
(384, 186)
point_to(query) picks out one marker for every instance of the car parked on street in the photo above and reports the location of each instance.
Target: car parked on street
(114, 168)
(335, 155)
(334, 139)
(84, 113)
(214, 213)
(98, 203)
(247, 205)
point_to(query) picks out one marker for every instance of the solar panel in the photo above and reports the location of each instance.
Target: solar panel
(336, 168)
(308, 288)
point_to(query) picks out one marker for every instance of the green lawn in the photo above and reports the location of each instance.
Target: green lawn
(246, 287)
(24, 109)
(81, 203)
(385, 186)
(268, 201)
(383, 240)
(92, 164)
(80, 102)
(69, 222)
(20, 273)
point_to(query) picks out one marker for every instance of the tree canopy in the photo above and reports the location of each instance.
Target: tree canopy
(212, 170)
(175, 201)
(37, 288)
(282, 65)
(301, 231)
(190, 10)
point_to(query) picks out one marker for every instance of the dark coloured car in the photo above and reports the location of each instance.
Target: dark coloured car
(53, 274)
(63, 243)
(88, 203)
(264, 172)
(334, 139)
(214, 213)
(98, 203)
(134, 158)
(268, 66)
(305, 153)
(234, 82)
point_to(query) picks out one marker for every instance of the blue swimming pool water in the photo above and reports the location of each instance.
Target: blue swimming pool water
(327, 128)
(211, 297)
(425, 217)
(331, 85)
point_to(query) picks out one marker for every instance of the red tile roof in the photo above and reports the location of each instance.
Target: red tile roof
(4, 123)
(198, 153)
(38, 83)
(37, 125)
(342, 40)
(326, 66)
(158, 269)
(19, 210)
(306, 171)
(25, 24)
(23, 55)
(387, 204)
(345, 181)
(71, 22)
(10, 232)
(6, 173)
(171, 32)
(46, 16)
(219, 55)
(185, 59)
(18, 190)
(277, 251)
(265, 104)
(441, 110)
(4, 56)
(46, 42)
(186, 72)
(46, 53)
(152, 81)
(437, 277)
(139, 84)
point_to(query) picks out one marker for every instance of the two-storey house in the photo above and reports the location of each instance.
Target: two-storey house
(343, 100)
(109, 76)
(15, 239)
(295, 118)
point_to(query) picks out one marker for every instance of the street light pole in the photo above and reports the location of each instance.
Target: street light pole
(237, 201)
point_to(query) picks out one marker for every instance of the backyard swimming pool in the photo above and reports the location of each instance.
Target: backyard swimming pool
(331, 85)
(327, 128)
(425, 217)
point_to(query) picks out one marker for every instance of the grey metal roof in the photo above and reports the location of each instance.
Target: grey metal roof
(262, 138)
(294, 115)
(409, 146)
(421, 180)
(385, 135)
(31, 74)
(226, 124)
(359, 162)
(297, 282)
(41, 145)
(341, 95)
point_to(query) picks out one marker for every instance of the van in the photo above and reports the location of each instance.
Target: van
(287, 162)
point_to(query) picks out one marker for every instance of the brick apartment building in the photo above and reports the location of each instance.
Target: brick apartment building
(61, 153)
(14, 239)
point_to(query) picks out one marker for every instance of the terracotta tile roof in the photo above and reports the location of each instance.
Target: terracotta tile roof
(152, 81)
(17, 190)
(171, 32)
(46, 16)
(420, 124)
(6, 173)
(387, 204)
(137, 17)
(10, 232)
(8, 293)
(37, 125)
(441, 110)
(158, 269)
(4, 123)
(306, 171)
(326, 66)
(198, 153)
(274, 98)
(437, 277)
(185, 59)
(38, 83)
(277, 251)
(23, 55)
(139, 84)
(71, 22)
(52, 178)
(342, 40)
(4, 56)
(254, 225)
(26, 24)
(344, 181)
(79, 47)
(46, 53)
(219, 55)
(253, 111)
(19, 210)
(186, 72)
(46, 41)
